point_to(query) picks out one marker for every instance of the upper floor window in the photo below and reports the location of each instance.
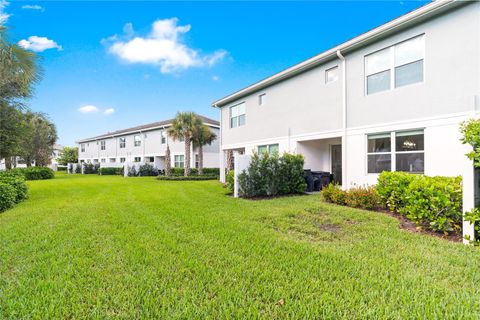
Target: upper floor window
(82, 147)
(237, 115)
(164, 137)
(270, 148)
(395, 66)
(102, 145)
(137, 141)
(179, 161)
(262, 99)
(331, 74)
(123, 142)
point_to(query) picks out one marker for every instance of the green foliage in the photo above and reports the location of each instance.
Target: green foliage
(473, 217)
(61, 168)
(35, 173)
(68, 155)
(90, 168)
(471, 135)
(8, 196)
(109, 171)
(392, 189)
(189, 178)
(146, 170)
(334, 194)
(435, 203)
(230, 179)
(194, 171)
(17, 181)
(78, 169)
(272, 175)
(362, 197)
(132, 171)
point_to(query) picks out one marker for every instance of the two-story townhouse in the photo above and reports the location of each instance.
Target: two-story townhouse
(390, 99)
(146, 144)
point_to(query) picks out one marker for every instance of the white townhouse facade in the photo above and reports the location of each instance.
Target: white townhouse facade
(146, 144)
(390, 99)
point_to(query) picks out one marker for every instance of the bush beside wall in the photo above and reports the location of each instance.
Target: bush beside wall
(189, 178)
(194, 171)
(230, 180)
(109, 171)
(392, 189)
(272, 175)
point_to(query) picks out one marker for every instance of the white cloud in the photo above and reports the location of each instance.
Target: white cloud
(163, 47)
(39, 44)
(215, 78)
(109, 111)
(88, 109)
(33, 7)
(3, 15)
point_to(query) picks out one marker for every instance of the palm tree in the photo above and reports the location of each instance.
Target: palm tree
(168, 164)
(18, 70)
(183, 127)
(202, 136)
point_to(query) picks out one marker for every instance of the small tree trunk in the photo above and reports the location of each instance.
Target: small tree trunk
(229, 160)
(28, 161)
(168, 165)
(187, 156)
(200, 159)
(8, 163)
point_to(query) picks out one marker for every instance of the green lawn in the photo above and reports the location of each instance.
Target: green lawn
(113, 247)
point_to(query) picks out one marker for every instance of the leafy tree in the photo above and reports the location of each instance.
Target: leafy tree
(183, 127)
(38, 139)
(202, 136)
(12, 128)
(68, 155)
(18, 71)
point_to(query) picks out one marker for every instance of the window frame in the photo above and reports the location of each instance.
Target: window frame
(82, 147)
(122, 141)
(391, 152)
(103, 145)
(123, 159)
(181, 161)
(327, 71)
(137, 159)
(268, 146)
(392, 66)
(137, 140)
(237, 117)
(163, 136)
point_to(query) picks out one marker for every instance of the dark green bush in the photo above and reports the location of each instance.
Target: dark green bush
(7, 196)
(18, 183)
(109, 171)
(146, 170)
(78, 169)
(194, 171)
(474, 218)
(392, 189)
(189, 178)
(211, 171)
(90, 168)
(334, 194)
(230, 179)
(61, 168)
(35, 173)
(272, 175)
(363, 198)
(435, 203)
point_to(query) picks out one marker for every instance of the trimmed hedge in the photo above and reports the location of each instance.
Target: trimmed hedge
(18, 183)
(90, 168)
(35, 173)
(392, 189)
(194, 171)
(359, 197)
(230, 179)
(109, 171)
(189, 178)
(7, 196)
(272, 175)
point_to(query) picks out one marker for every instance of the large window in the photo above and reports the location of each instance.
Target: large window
(123, 142)
(270, 148)
(82, 147)
(410, 151)
(237, 115)
(179, 161)
(137, 141)
(164, 137)
(379, 155)
(399, 151)
(102, 145)
(331, 74)
(395, 66)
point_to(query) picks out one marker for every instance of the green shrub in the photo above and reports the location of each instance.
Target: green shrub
(194, 171)
(474, 218)
(78, 169)
(35, 173)
(189, 178)
(146, 170)
(435, 203)
(211, 171)
(90, 168)
(131, 171)
(7, 196)
(392, 187)
(109, 171)
(362, 197)
(61, 168)
(230, 179)
(18, 183)
(272, 175)
(334, 194)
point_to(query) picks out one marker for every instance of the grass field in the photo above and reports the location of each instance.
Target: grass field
(112, 247)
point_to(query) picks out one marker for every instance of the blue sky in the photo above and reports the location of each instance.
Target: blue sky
(129, 63)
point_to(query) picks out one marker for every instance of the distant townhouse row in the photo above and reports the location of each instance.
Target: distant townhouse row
(146, 144)
(390, 99)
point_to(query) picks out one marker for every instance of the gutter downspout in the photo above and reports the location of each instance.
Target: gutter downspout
(344, 119)
(221, 153)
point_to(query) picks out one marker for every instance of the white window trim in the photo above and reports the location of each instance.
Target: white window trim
(331, 69)
(392, 66)
(135, 141)
(391, 152)
(174, 161)
(238, 116)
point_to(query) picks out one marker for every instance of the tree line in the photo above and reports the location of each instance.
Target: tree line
(23, 133)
